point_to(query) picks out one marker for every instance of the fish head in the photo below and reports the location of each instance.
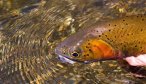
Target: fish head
(70, 49)
(83, 50)
(85, 46)
(87, 50)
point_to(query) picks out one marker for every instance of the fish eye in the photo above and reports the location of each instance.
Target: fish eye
(75, 54)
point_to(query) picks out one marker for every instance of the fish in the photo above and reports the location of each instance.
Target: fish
(110, 40)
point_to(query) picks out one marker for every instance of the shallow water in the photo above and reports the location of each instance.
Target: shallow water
(28, 41)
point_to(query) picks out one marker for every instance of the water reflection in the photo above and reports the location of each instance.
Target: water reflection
(27, 43)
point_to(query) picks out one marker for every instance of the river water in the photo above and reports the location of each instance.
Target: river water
(28, 39)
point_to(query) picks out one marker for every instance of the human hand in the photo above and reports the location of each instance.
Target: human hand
(140, 60)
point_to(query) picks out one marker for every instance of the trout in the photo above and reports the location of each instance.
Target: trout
(113, 39)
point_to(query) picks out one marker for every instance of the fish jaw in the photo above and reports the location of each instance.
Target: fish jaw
(65, 60)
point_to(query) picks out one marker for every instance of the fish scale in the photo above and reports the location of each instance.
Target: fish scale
(131, 33)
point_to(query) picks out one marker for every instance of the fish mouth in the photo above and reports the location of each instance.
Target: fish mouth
(65, 59)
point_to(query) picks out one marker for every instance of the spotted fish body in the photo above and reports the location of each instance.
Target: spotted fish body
(108, 40)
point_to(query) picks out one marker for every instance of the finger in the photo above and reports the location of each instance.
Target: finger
(142, 59)
(133, 61)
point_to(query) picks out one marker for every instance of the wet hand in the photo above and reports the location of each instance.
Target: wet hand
(137, 61)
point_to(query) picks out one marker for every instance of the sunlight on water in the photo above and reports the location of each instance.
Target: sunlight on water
(28, 41)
